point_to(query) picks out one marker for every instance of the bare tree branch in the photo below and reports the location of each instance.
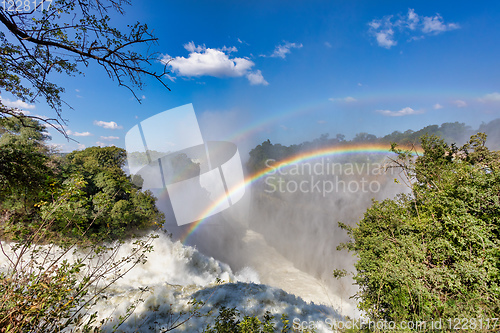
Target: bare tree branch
(60, 39)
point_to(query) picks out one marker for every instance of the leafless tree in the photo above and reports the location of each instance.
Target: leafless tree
(41, 37)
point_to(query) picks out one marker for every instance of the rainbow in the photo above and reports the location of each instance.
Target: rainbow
(258, 125)
(323, 152)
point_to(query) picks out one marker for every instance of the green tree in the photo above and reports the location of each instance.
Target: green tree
(39, 290)
(229, 321)
(104, 203)
(109, 203)
(364, 137)
(268, 151)
(25, 168)
(79, 203)
(491, 129)
(48, 288)
(435, 253)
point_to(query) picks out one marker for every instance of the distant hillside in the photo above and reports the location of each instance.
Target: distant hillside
(455, 132)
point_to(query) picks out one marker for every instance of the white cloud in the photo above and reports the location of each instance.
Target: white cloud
(327, 44)
(81, 146)
(242, 41)
(387, 29)
(436, 25)
(171, 78)
(459, 103)
(257, 78)
(383, 32)
(17, 104)
(412, 19)
(25, 112)
(55, 126)
(228, 49)
(493, 97)
(375, 24)
(206, 61)
(284, 127)
(321, 121)
(70, 132)
(191, 47)
(437, 106)
(109, 125)
(415, 38)
(385, 38)
(347, 99)
(282, 50)
(109, 138)
(203, 61)
(103, 144)
(403, 112)
(57, 146)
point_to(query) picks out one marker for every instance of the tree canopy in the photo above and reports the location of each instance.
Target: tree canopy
(82, 193)
(434, 254)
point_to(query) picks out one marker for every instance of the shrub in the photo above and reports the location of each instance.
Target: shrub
(433, 254)
(41, 290)
(229, 321)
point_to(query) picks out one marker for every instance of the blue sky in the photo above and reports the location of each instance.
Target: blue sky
(289, 71)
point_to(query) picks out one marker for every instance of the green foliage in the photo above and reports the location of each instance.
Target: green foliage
(22, 130)
(260, 154)
(69, 210)
(491, 129)
(43, 201)
(449, 132)
(85, 189)
(48, 299)
(434, 253)
(41, 290)
(364, 137)
(25, 168)
(226, 322)
(229, 320)
(84, 198)
(107, 202)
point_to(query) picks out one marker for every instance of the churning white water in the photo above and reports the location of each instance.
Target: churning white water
(174, 275)
(277, 254)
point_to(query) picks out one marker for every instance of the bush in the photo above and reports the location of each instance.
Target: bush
(115, 206)
(229, 321)
(433, 254)
(41, 290)
(79, 207)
